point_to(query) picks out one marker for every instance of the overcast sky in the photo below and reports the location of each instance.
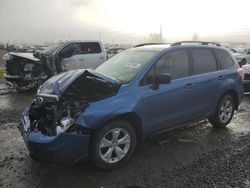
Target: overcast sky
(121, 21)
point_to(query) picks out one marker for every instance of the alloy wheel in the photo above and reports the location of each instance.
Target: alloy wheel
(226, 111)
(114, 145)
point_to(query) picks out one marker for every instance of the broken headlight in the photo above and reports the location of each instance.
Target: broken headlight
(65, 123)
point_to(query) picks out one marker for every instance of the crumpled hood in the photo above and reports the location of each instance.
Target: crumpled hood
(57, 84)
(25, 55)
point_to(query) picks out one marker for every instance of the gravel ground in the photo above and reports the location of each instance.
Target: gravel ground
(195, 156)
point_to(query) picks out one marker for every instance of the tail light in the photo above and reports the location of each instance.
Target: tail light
(241, 73)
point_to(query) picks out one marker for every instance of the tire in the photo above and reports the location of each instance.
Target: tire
(112, 145)
(224, 112)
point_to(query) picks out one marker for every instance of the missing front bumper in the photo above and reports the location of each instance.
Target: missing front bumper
(62, 150)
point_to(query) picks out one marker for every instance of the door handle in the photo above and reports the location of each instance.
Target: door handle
(189, 86)
(221, 77)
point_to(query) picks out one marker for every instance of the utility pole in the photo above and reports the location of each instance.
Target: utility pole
(100, 35)
(160, 32)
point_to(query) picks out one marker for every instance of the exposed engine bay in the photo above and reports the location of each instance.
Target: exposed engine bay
(51, 116)
(24, 71)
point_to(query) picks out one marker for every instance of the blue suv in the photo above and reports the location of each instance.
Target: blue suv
(101, 114)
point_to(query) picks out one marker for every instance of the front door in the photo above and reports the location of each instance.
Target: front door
(69, 56)
(172, 103)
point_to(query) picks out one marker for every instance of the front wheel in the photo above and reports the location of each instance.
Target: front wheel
(112, 145)
(224, 112)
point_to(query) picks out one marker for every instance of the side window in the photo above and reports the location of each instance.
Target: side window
(70, 50)
(149, 78)
(203, 61)
(224, 58)
(175, 62)
(90, 48)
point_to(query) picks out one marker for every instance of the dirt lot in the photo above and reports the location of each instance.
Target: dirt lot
(194, 156)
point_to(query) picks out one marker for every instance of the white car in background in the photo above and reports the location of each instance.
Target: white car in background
(242, 56)
(26, 70)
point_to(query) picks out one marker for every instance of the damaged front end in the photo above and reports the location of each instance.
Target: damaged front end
(52, 116)
(24, 71)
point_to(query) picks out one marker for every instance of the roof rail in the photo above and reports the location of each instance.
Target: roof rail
(196, 42)
(146, 44)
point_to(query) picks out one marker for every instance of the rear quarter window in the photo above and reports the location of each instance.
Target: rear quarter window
(90, 48)
(224, 58)
(203, 61)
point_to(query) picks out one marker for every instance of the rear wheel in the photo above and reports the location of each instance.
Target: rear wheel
(224, 112)
(112, 145)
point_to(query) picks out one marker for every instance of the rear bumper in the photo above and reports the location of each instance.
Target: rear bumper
(246, 85)
(62, 150)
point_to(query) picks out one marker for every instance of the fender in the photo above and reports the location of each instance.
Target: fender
(95, 119)
(97, 114)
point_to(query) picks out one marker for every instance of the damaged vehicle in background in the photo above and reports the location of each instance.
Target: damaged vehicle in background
(26, 70)
(246, 80)
(101, 114)
(242, 56)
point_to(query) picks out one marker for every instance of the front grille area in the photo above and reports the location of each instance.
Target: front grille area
(247, 76)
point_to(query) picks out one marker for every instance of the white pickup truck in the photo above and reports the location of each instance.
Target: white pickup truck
(27, 70)
(81, 54)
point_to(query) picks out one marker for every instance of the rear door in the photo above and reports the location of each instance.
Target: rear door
(206, 79)
(228, 71)
(92, 55)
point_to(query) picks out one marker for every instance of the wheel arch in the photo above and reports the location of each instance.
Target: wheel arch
(235, 96)
(132, 118)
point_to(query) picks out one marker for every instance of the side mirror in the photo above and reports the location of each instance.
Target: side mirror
(163, 78)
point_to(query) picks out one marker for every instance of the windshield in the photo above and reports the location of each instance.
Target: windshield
(51, 48)
(125, 65)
